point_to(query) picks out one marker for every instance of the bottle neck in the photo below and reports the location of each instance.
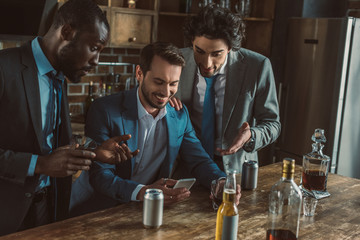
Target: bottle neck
(91, 90)
(287, 177)
(230, 188)
(288, 170)
(229, 196)
(317, 148)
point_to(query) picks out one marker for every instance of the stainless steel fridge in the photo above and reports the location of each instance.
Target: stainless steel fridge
(321, 89)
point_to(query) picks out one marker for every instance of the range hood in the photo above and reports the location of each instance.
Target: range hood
(26, 17)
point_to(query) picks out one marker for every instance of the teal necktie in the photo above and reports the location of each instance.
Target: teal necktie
(208, 117)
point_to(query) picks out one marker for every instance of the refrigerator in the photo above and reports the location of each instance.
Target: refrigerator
(321, 89)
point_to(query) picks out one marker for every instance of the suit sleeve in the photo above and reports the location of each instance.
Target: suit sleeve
(13, 165)
(266, 108)
(103, 177)
(195, 157)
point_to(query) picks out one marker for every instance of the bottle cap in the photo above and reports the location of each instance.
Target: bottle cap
(288, 167)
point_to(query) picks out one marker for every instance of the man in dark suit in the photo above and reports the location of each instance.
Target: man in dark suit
(35, 171)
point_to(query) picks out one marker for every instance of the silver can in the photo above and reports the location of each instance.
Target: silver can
(249, 175)
(153, 208)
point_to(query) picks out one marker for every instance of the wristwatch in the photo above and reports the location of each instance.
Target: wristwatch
(250, 144)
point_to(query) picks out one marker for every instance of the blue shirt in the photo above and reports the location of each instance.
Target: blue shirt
(46, 90)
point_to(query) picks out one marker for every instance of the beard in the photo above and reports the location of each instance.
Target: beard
(146, 95)
(67, 60)
(216, 70)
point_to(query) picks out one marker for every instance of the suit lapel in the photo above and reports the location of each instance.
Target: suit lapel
(234, 81)
(172, 127)
(31, 85)
(130, 121)
(187, 78)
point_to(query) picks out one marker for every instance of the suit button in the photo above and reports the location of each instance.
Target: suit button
(28, 195)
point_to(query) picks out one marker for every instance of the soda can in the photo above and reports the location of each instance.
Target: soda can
(249, 175)
(153, 208)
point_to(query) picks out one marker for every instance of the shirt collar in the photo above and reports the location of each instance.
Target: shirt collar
(222, 69)
(42, 63)
(142, 111)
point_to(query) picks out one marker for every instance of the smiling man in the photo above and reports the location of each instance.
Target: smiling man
(230, 91)
(158, 131)
(35, 164)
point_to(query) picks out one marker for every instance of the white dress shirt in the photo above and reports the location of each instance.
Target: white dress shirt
(152, 143)
(198, 102)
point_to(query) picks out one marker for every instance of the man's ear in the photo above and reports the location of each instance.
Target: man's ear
(67, 32)
(139, 73)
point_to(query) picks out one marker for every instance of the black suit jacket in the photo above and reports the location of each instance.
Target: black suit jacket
(21, 136)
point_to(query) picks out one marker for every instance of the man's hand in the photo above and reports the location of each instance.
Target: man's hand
(64, 161)
(242, 137)
(221, 187)
(170, 195)
(176, 103)
(111, 152)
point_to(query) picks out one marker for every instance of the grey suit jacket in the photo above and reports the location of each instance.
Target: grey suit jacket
(21, 136)
(250, 96)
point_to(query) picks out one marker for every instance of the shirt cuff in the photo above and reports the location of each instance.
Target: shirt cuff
(32, 165)
(135, 192)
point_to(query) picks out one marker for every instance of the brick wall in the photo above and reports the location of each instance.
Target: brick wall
(77, 92)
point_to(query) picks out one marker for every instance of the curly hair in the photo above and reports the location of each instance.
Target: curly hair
(215, 23)
(165, 50)
(79, 14)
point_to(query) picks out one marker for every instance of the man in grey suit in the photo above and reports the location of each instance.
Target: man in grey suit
(35, 164)
(246, 115)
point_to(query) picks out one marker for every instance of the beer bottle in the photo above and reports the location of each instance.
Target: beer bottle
(227, 215)
(284, 205)
(102, 91)
(90, 98)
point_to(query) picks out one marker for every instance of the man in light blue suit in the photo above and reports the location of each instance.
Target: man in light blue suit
(158, 131)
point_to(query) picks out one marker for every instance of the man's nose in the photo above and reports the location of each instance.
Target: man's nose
(166, 90)
(207, 61)
(94, 61)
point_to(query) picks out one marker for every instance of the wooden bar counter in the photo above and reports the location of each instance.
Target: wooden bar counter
(336, 217)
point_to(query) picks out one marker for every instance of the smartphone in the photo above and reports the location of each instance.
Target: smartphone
(186, 183)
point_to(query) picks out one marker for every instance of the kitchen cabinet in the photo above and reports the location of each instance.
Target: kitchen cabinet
(131, 27)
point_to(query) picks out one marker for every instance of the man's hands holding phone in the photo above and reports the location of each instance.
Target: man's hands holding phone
(171, 194)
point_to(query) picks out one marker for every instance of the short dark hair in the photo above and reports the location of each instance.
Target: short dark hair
(79, 14)
(165, 50)
(215, 23)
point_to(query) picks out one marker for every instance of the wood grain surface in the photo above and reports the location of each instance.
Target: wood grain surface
(336, 217)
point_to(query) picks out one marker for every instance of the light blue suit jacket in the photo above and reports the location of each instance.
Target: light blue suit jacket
(110, 185)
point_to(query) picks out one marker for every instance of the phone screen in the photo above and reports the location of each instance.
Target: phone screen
(186, 183)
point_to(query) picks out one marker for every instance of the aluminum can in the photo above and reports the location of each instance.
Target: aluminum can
(249, 175)
(153, 208)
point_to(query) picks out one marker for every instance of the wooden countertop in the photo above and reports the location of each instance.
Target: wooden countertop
(336, 217)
